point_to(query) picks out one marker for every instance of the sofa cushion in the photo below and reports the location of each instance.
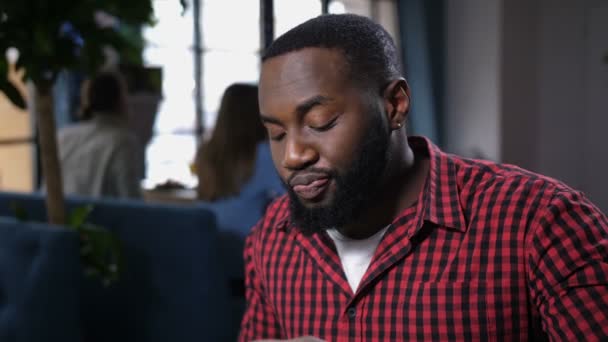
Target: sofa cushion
(39, 282)
(173, 287)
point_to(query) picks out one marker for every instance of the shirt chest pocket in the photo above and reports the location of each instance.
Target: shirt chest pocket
(463, 311)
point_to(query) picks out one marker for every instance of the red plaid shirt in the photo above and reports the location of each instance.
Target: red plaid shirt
(489, 252)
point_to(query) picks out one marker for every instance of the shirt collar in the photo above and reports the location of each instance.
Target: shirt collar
(438, 203)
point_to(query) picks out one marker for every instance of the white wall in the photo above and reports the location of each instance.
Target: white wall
(472, 76)
(527, 84)
(519, 105)
(595, 168)
(385, 13)
(562, 90)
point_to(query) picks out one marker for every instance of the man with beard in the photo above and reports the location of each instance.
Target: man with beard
(385, 237)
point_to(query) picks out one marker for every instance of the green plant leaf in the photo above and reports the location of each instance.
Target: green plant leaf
(39, 41)
(101, 252)
(100, 249)
(79, 215)
(19, 212)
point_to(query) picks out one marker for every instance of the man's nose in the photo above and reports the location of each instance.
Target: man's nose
(298, 154)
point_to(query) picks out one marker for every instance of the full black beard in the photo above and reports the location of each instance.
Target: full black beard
(354, 188)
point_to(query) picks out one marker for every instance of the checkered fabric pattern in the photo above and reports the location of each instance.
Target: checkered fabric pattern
(488, 252)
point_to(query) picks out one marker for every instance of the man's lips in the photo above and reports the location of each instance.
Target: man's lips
(309, 186)
(312, 190)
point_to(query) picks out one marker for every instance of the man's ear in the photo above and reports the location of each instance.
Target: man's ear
(397, 102)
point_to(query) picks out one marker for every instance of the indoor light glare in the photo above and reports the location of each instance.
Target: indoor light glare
(337, 7)
(12, 55)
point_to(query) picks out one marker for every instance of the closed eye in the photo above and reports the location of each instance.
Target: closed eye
(325, 127)
(277, 137)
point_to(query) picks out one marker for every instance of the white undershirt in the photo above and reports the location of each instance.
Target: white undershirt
(355, 255)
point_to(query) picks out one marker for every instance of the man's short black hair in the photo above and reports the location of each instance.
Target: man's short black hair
(369, 50)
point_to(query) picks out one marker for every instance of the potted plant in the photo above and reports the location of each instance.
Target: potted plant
(51, 36)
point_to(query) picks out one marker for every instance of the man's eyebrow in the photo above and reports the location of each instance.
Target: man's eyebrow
(310, 103)
(301, 109)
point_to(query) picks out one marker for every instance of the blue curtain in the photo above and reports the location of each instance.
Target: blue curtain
(421, 25)
(66, 97)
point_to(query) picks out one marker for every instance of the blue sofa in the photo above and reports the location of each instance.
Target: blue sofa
(173, 288)
(39, 283)
(240, 213)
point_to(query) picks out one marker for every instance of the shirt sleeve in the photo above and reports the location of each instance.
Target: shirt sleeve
(568, 269)
(259, 321)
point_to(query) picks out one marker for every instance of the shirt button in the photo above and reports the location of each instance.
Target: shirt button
(351, 312)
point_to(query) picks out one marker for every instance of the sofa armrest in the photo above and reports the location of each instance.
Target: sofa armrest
(40, 276)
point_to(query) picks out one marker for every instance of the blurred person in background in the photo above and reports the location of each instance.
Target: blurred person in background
(100, 156)
(236, 160)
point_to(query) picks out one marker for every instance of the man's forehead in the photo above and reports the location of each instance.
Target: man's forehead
(303, 61)
(308, 67)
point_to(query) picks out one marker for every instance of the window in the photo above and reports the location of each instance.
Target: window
(230, 42)
(289, 13)
(170, 46)
(231, 48)
(230, 31)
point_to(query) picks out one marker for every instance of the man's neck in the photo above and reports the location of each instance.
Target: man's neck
(402, 183)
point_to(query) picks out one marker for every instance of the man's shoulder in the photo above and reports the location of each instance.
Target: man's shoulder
(497, 193)
(482, 174)
(457, 176)
(483, 186)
